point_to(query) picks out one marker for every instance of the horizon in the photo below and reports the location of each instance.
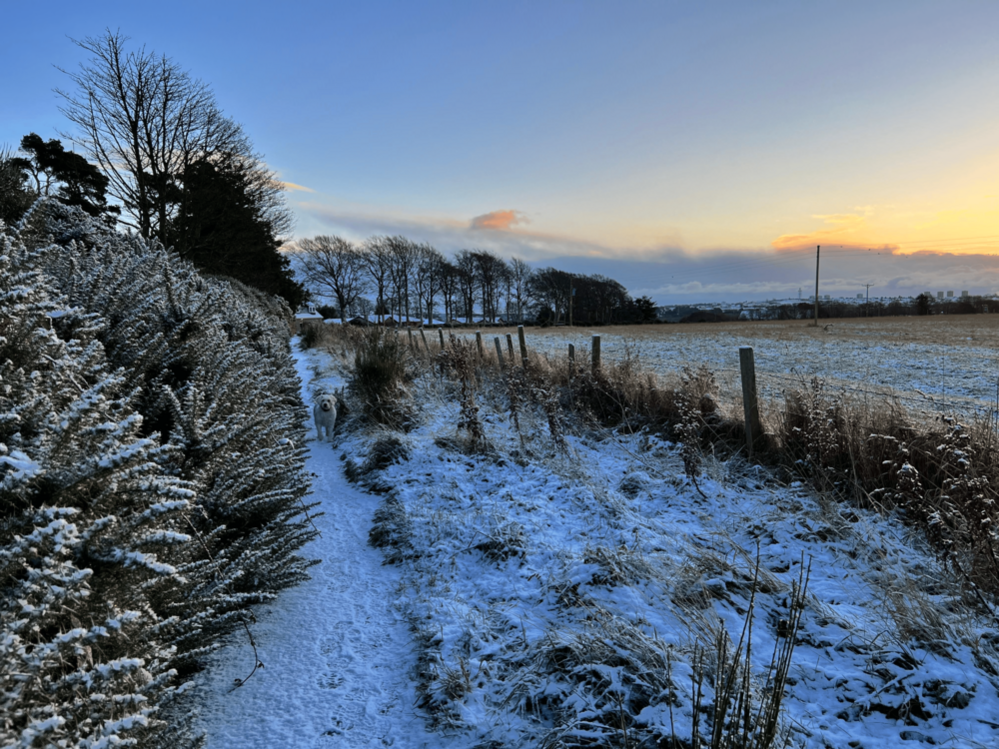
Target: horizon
(687, 152)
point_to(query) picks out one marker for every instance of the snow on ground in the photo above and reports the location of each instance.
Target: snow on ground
(337, 653)
(547, 589)
(561, 599)
(924, 375)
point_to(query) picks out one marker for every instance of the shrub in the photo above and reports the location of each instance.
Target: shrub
(92, 531)
(177, 480)
(877, 454)
(378, 377)
(310, 336)
(460, 358)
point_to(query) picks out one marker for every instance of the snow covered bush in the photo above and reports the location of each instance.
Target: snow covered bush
(91, 531)
(942, 478)
(963, 521)
(151, 433)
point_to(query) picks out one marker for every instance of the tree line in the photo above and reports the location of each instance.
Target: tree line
(410, 279)
(162, 160)
(923, 304)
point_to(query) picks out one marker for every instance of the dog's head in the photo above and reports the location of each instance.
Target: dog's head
(327, 402)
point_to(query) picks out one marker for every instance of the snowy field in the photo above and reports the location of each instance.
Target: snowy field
(527, 597)
(935, 364)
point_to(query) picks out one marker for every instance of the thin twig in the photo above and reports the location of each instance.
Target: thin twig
(242, 616)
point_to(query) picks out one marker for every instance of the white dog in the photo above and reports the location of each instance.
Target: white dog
(325, 413)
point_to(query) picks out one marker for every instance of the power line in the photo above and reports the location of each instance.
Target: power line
(782, 260)
(779, 260)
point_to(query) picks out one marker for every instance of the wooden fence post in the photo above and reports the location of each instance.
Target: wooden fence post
(596, 353)
(426, 345)
(478, 344)
(412, 343)
(499, 353)
(523, 344)
(509, 347)
(750, 404)
(440, 334)
(572, 361)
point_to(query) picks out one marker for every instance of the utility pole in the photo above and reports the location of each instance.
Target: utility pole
(817, 248)
(867, 305)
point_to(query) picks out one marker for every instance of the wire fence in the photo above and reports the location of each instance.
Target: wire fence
(920, 399)
(957, 394)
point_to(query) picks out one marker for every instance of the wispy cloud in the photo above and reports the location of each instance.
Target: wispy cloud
(499, 220)
(492, 233)
(296, 188)
(670, 275)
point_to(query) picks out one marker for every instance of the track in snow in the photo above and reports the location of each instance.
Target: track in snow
(337, 654)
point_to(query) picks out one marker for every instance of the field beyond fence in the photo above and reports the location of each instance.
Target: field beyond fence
(828, 422)
(934, 365)
(898, 413)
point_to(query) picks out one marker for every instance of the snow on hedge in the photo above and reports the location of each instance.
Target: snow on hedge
(150, 484)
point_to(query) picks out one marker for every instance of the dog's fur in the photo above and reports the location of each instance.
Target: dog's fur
(325, 415)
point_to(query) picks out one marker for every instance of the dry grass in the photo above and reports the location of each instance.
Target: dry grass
(941, 475)
(855, 451)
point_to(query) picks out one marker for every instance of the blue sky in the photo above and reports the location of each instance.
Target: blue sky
(655, 140)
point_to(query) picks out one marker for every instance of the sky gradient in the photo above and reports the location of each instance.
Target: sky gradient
(694, 151)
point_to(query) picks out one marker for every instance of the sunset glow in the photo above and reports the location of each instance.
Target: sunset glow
(652, 136)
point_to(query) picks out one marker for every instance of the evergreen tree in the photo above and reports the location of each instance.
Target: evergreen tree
(646, 309)
(66, 175)
(16, 195)
(221, 226)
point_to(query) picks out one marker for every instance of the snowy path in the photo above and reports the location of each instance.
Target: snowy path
(337, 653)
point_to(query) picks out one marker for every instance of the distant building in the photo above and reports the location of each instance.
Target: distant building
(306, 314)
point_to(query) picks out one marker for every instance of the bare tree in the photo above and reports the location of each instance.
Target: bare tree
(464, 265)
(429, 277)
(551, 288)
(363, 306)
(403, 254)
(146, 122)
(449, 289)
(377, 258)
(490, 273)
(335, 266)
(520, 274)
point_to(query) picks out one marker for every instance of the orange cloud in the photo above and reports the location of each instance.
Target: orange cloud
(843, 230)
(293, 186)
(498, 220)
